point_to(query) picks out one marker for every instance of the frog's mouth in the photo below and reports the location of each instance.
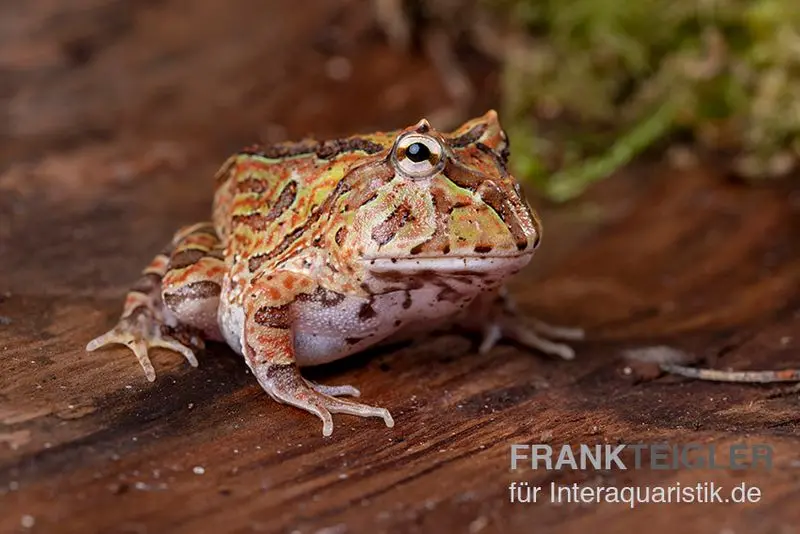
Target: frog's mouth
(449, 264)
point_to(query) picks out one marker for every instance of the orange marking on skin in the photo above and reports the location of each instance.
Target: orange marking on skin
(213, 272)
(288, 282)
(159, 263)
(280, 351)
(242, 242)
(198, 272)
(274, 293)
(175, 279)
(271, 344)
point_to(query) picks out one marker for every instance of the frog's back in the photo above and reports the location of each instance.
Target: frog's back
(267, 197)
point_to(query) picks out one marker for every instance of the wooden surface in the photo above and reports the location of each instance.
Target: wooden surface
(116, 114)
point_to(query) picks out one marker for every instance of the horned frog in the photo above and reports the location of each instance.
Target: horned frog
(319, 249)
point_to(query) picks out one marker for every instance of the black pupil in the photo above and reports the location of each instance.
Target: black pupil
(418, 152)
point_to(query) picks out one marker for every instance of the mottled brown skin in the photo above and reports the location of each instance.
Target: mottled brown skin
(319, 249)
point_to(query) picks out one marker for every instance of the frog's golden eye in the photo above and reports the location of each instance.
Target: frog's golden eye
(418, 156)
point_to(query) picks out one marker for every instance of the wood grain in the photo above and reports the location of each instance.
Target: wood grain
(118, 114)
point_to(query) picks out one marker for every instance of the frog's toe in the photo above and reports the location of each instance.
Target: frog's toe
(530, 333)
(530, 339)
(174, 345)
(336, 391)
(324, 405)
(566, 333)
(119, 336)
(327, 420)
(139, 335)
(139, 348)
(335, 405)
(108, 338)
(491, 335)
(284, 383)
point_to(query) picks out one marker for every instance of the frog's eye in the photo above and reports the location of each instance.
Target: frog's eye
(419, 156)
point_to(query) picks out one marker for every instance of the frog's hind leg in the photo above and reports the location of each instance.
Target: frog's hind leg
(173, 304)
(270, 353)
(192, 284)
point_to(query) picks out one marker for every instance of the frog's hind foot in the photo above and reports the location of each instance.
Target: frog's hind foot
(285, 384)
(142, 330)
(188, 273)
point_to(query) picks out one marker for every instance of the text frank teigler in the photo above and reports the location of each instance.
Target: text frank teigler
(655, 456)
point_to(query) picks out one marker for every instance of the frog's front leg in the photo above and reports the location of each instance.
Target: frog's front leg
(269, 350)
(497, 317)
(174, 303)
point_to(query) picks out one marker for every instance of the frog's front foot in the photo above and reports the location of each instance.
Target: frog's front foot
(530, 333)
(284, 383)
(144, 329)
(502, 320)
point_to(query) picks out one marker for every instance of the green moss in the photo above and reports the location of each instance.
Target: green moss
(592, 83)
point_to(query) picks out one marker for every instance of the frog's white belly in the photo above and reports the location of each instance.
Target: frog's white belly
(231, 324)
(324, 334)
(326, 330)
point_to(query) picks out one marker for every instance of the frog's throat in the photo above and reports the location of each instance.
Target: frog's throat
(450, 264)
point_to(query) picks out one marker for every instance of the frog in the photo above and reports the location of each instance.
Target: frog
(319, 249)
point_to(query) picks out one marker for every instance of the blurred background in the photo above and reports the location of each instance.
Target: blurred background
(583, 86)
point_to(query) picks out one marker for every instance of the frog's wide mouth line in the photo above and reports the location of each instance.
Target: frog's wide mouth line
(483, 263)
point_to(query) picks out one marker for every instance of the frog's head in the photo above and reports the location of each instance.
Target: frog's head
(442, 202)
